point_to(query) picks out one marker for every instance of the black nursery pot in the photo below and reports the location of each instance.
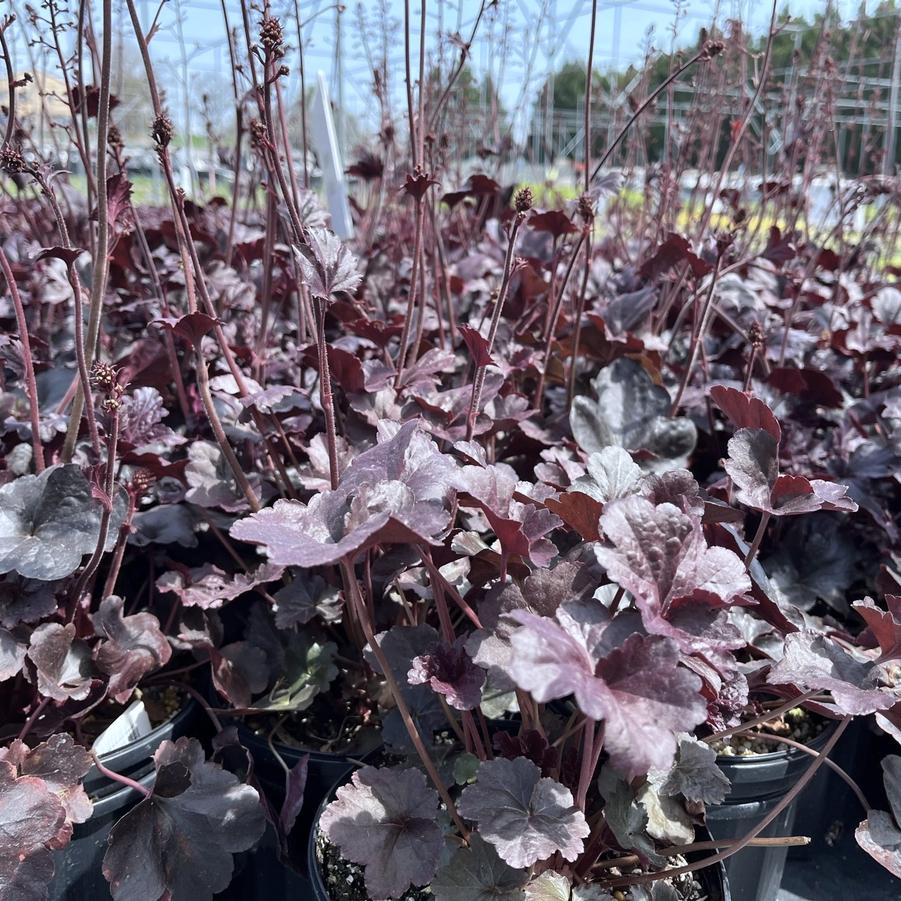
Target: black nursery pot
(714, 880)
(263, 876)
(759, 783)
(78, 874)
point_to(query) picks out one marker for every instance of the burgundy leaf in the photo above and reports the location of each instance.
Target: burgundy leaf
(386, 820)
(63, 662)
(478, 346)
(659, 554)
(526, 817)
(879, 834)
(554, 222)
(327, 266)
(885, 625)
(32, 823)
(191, 327)
(50, 521)
(675, 249)
(745, 411)
(119, 215)
(12, 655)
(209, 587)
(635, 685)
(134, 646)
(396, 492)
(753, 465)
(477, 873)
(61, 765)
(631, 412)
(815, 662)
(296, 783)
(180, 840)
(449, 670)
(520, 527)
(67, 254)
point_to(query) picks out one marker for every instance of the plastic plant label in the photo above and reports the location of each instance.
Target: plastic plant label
(129, 726)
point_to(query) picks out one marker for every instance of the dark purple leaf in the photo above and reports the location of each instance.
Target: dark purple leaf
(476, 873)
(612, 474)
(12, 655)
(554, 222)
(133, 647)
(240, 671)
(630, 412)
(880, 833)
(386, 820)
(190, 327)
(815, 662)
(209, 587)
(520, 527)
(815, 559)
(211, 481)
(884, 624)
(25, 600)
(141, 413)
(660, 555)
(745, 411)
(62, 661)
(295, 786)
(526, 817)
(49, 522)
(449, 671)
(753, 465)
(327, 266)
(32, 823)
(61, 765)
(181, 838)
(478, 346)
(306, 597)
(634, 684)
(675, 249)
(67, 254)
(396, 492)
(695, 775)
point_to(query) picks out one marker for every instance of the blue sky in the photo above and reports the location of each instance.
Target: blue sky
(540, 35)
(519, 42)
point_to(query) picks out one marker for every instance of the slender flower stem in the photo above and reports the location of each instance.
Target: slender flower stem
(411, 298)
(101, 248)
(479, 380)
(33, 718)
(698, 337)
(588, 76)
(758, 537)
(206, 398)
(325, 393)
(109, 586)
(402, 707)
(27, 362)
(552, 321)
(109, 487)
(577, 321)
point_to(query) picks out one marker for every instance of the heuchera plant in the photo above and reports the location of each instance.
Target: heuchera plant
(542, 497)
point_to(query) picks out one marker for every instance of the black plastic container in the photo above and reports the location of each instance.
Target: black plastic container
(759, 783)
(714, 880)
(263, 876)
(78, 874)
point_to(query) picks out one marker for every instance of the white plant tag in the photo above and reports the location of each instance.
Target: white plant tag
(124, 729)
